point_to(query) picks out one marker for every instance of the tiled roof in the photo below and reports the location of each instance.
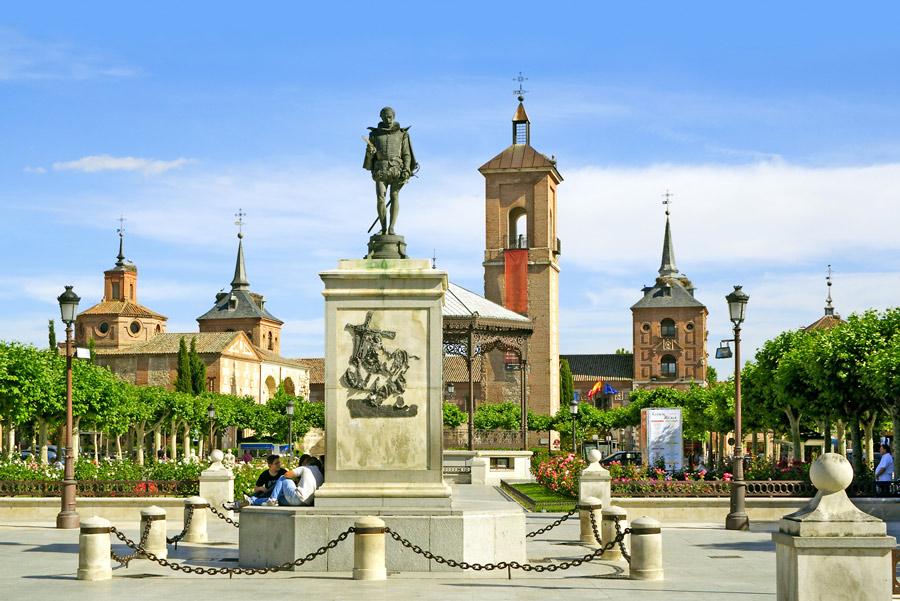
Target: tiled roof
(519, 156)
(459, 302)
(316, 367)
(826, 322)
(246, 304)
(267, 355)
(601, 367)
(165, 344)
(667, 292)
(126, 308)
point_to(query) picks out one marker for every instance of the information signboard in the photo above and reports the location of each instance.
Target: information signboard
(661, 439)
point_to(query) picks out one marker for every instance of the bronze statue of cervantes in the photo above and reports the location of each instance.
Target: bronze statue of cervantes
(390, 158)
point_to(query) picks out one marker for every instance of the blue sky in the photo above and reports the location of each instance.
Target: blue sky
(776, 126)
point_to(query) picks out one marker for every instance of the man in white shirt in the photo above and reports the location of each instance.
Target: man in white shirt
(885, 471)
(309, 476)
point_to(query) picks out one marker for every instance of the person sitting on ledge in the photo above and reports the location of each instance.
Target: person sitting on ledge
(264, 484)
(309, 476)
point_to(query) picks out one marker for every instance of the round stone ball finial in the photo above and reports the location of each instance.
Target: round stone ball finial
(594, 456)
(216, 456)
(831, 473)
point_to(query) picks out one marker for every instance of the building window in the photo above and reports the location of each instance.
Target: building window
(667, 328)
(158, 329)
(211, 384)
(135, 327)
(668, 366)
(115, 291)
(645, 327)
(103, 328)
(271, 344)
(689, 327)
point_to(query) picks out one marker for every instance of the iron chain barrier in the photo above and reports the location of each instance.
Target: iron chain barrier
(553, 525)
(123, 560)
(180, 567)
(222, 516)
(188, 517)
(515, 565)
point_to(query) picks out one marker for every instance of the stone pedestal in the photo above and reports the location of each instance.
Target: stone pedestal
(383, 378)
(217, 482)
(594, 480)
(386, 246)
(830, 550)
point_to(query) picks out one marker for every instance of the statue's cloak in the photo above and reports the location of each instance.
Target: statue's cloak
(381, 130)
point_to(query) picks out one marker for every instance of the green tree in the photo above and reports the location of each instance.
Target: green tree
(184, 383)
(453, 415)
(51, 334)
(882, 370)
(566, 383)
(712, 376)
(198, 368)
(92, 349)
(497, 416)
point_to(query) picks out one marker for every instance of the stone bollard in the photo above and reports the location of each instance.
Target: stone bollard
(197, 508)
(156, 537)
(608, 531)
(480, 468)
(830, 550)
(368, 549)
(586, 507)
(646, 550)
(594, 481)
(93, 550)
(217, 482)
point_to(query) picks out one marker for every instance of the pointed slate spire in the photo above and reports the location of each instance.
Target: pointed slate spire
(240, 270)
(829, 307)
(667, 265)
(121, 256)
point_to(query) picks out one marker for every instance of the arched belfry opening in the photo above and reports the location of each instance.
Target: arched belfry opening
(518, 227)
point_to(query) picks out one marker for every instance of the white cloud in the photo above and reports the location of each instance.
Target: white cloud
(105, 162)
(25, 58)
(35, 169)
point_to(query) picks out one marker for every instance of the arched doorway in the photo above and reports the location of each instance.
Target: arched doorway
(289, 387)
(271, 387)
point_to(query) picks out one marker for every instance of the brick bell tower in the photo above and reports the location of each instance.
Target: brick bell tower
(521, 256)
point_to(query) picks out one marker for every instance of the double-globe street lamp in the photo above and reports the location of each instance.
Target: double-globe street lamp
(737, 518)
(573, 411)
(67, 516)
(289, 410)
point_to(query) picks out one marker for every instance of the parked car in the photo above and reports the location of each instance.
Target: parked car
(623, 457)
(25, 455)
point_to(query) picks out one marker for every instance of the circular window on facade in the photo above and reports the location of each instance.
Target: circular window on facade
(135, 327)
(103, 328)
(645, 327)
(689, 327)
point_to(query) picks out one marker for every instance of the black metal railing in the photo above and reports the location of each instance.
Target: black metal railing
(101, 488)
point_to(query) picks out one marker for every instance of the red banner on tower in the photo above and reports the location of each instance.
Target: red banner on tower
(516, 264)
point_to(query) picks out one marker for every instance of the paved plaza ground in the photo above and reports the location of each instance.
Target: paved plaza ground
(702, 562)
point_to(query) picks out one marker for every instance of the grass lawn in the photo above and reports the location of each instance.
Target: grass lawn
(544, 499)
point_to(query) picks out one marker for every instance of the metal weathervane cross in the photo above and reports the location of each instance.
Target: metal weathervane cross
(520, 92)
(121, 229)
(240, 221)
(668, 200)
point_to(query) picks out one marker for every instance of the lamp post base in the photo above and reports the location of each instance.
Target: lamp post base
(737, 521)
(67, 520)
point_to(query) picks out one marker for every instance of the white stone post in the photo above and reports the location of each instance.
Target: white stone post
(830, 550)
(93, 550)
(646, 550)
(196, 508)
(595, 480)
(586, 508)
(368, 549)
(156, 537)
(480, 467)
(608, 530)
(217, 482)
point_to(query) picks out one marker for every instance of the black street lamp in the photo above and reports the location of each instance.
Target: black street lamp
(211, 414)
(67, 516)
(573, 411)
(289, 410)
(737, 518)
(451, 390)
